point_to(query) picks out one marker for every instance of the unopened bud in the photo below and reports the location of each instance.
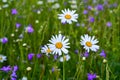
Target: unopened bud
(28, 68)
(83, 58)
(12, 35)
(104, 61)
(24, 44)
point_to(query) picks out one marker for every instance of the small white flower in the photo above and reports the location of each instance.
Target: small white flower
(59, 44)
(89, 43)
(74, 6)
(46, 50)
(64, 58)
(68, 16)
(4, 1)
(73, 1)
(5, 6)
(24, 78)
(40, 2)
(2, 58)
(50, 1)
(56, 6)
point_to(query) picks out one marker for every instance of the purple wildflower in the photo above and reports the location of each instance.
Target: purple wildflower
(90, 29)
(103, 54)
(6, 68)
(21, 36)
(77, 24)
(64, 23)
(108, 24)
(14, 11)
(86, 54)
(76, 51)
(14, 74)
(55, 57)
(89, 7)
(30, 56)
(97, 12)
(85, 12)
(83, 25)
(39, 55)
(65, 3)
(4, 40)
(15, 68)
(115, 4)
(105, 3)
(12, 78)
(91, 19)
(53, 69)
(29, 29)
(85, 1)
(99, 7)
(91, 76)
(18, 25)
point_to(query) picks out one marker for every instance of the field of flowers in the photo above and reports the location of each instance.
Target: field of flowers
(59, 39)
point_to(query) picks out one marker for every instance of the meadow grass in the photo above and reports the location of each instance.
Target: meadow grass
(29, 12)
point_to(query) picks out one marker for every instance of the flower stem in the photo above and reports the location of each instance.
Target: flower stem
(63, 68)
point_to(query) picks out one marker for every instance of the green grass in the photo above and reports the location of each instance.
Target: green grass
(49, 24)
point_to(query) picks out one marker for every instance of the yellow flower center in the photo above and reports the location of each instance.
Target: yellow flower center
(0, 58)
(59, 45)
(48, 50)
(67, 16)
(88, 43)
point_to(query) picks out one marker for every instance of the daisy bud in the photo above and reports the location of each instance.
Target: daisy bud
(17, 40)
(38, 12)
(36, 21)
(12, 35)
(24, 44)
(97, 76)
(83, 58)
(16, 30)
(28, 68)
(104, 61)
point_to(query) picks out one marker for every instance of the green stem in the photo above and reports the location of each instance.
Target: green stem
(63, 68)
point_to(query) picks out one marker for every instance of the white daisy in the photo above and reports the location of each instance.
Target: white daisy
(59, 44)
(64, 58)
(2, 58)
(89, 43)
(68, 16)
(46, 50)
